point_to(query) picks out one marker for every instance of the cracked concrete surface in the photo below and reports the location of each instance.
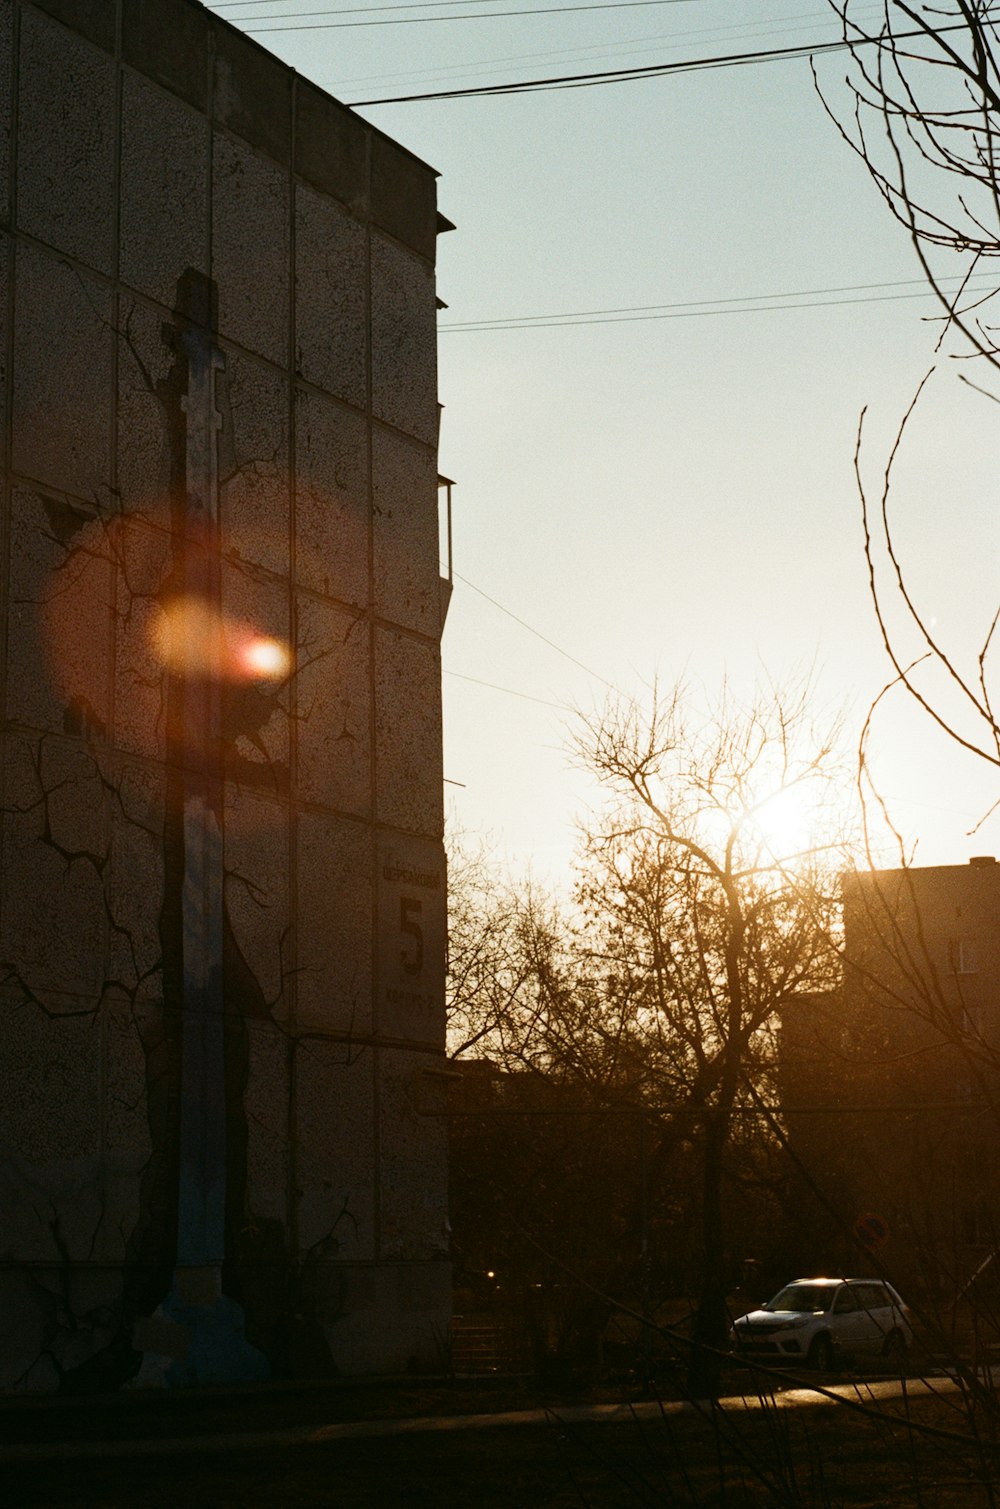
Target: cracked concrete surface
(124, 243)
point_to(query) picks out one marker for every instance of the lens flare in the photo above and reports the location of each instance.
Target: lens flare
(267, 659)
(192, 638)
(188, 637)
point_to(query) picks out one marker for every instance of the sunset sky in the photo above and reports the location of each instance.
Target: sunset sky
(666, 486)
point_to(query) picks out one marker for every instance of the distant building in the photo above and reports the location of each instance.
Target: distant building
(893, 1083)
(222, 884)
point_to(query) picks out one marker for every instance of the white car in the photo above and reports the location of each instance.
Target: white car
(820, 1320)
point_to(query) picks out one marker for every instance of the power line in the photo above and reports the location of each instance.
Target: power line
(650, 71)
(695, 308)
(745, 298)
(524, 625)
(350, 10)
(878, 1108)
(507, 690)
(691, 314)
(494, 64)
(553, 10)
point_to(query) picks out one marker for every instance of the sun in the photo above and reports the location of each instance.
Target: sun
(794, 822)
(787, 821)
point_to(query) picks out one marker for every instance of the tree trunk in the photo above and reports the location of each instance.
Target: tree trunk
(711, 1324)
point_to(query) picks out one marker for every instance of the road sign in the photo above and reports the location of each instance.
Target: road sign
(872, 1231)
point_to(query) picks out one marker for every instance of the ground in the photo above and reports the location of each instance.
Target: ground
(820, 1455)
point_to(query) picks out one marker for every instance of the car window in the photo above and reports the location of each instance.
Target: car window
(847, 1300)
(871, 1296)
(803, 1298)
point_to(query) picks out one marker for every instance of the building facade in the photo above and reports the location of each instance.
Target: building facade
(222, 884)
(892, 1084)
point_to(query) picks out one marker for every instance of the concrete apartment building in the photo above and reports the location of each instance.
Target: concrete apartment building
(222, 884)
(898, 1074)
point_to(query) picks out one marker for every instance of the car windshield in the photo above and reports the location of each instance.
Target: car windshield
(803, 1297)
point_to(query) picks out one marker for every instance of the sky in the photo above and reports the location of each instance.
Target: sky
(663, 485)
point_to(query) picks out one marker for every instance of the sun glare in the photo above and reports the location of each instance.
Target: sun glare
(787, 823)
(266, 658)
(193, 638)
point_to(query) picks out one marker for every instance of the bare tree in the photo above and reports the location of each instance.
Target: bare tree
(925, 111)
(923, 115)
(722, 911)
(489, 956)
(703, 904)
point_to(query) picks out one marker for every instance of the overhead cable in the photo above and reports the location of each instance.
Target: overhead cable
(649, 71)
(349, 10)
(627, 47)
(492, 15)
(524, 625)
(697, 308)
(507, 690)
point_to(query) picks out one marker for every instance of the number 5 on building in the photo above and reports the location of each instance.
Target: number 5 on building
(409, 911)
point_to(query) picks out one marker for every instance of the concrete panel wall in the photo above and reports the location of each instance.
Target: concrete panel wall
(171, 189)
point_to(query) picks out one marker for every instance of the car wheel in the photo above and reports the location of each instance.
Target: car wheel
(821, 1354)
(894, 1348)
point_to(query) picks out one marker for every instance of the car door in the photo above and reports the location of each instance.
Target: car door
(848, 1322)
(876, 1309)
